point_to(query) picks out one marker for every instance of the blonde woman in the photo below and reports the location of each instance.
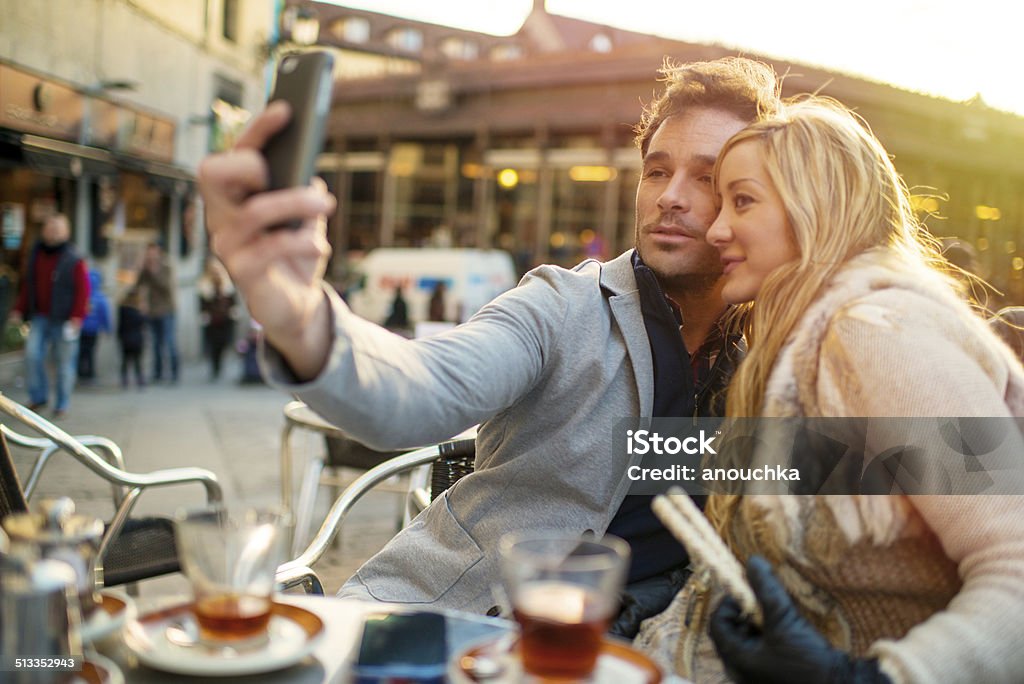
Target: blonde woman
(852, 316)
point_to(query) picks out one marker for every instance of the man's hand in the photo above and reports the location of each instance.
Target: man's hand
(278, 272)
(786, 649)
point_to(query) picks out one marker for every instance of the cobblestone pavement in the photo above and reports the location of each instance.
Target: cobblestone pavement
(230, 429)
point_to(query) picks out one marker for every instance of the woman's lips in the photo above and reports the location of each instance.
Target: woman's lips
(730, 265)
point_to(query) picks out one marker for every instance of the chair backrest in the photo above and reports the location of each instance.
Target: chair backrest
(12, 496)
(455, 460)
(343, 452)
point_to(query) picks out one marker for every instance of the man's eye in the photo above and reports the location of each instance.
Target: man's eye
(655, 173)
(706, 178)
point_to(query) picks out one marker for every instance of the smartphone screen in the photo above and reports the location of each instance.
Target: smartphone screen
(304, 81)
(406, 646)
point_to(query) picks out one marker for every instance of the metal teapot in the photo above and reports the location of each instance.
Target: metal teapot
(39, 613)
(55, 532)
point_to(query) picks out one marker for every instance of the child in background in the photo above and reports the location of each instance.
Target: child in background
(96, 321)
(131, 326)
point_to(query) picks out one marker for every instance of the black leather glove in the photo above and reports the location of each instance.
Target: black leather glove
(787, 649)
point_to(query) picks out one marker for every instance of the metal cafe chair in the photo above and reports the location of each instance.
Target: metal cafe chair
(341, 454)
(449, 461)
(132, 548)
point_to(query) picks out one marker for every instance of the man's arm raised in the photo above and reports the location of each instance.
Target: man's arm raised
(279, 272)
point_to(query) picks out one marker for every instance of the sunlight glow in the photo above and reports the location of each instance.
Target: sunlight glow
(939, 47)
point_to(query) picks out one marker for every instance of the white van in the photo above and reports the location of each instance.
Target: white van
(472, 277)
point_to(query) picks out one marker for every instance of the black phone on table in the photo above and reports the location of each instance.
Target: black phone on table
(404, 646)
(304, 80)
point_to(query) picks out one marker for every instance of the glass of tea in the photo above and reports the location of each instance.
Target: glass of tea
(230, 556)
(564, 592)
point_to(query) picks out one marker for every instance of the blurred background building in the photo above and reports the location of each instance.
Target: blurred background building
(438, 136)
(524, 142)
(106, 108)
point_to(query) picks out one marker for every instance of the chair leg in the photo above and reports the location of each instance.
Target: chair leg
(335, 492)
(306, 503)
(400, 508)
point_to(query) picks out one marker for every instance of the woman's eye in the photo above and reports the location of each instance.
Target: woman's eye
(740, 201)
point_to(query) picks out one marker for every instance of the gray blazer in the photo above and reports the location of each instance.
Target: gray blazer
(547, 369)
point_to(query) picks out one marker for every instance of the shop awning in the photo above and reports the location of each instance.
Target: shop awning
(68, 160)
(167, 178)
(59, 158)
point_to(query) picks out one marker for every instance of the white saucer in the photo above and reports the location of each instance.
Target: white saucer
(618, 663)
(98, 670)
(113, 611)
(293, 635)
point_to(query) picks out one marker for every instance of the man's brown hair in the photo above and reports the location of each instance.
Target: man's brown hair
(743, 87)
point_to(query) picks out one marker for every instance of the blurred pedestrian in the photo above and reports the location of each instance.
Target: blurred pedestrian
(217, 313)
(398, 318)
(436, 308)
(131, 335)
(156, 279)
(96, 322)
(53, 299)
(248, 348)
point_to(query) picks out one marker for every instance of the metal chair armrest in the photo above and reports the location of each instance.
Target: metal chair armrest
(96, 464)
(343, 504)
(47, 448)
(129, 486)
(300, 576)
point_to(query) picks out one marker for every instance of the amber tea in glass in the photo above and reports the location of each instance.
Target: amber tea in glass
(564, 592)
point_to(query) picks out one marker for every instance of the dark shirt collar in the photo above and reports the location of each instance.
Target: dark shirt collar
(652, 296)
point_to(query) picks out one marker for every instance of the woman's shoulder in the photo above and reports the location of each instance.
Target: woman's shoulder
(882, 294)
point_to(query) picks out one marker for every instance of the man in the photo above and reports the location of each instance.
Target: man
(547, 369)
(157, 279)
(53, 298)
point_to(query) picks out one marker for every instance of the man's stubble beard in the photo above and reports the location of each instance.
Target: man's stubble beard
(695, 284)
(700, 281)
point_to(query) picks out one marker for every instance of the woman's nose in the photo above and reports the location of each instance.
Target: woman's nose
(718, 233)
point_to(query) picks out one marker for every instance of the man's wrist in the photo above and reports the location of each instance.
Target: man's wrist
(307, 349)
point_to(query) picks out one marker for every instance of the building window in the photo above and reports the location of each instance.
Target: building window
(459, 48)
(602, 42)
(406, 39)
(351, 29)
(229, 23)
(506, 53)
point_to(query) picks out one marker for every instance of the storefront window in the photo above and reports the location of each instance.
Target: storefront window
(516, 197)
(430, 195)
(27, 199)
(146, 218)
(362, 218)
(576, 212)
(626, 223)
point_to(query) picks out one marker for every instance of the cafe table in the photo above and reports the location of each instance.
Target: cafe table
(334, 649)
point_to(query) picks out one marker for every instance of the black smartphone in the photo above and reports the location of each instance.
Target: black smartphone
(304, 81)
(408, 647)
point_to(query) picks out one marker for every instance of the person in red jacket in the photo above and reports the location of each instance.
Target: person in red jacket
(53, 298)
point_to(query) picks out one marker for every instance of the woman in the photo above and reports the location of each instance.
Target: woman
(853, 315)
(218, 313)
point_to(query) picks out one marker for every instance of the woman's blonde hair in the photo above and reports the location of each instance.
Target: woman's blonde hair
(842, 196)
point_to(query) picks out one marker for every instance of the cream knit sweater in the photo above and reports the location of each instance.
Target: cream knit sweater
(931, 585)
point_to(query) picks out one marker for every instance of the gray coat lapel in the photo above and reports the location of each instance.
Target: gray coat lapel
(618, 279)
